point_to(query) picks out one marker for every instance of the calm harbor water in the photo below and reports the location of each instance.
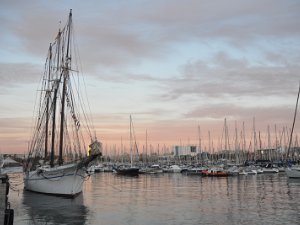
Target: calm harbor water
(165, 199)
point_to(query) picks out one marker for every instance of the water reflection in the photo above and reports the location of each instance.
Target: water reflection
(293, 182)
(45, 209)
(167, 199)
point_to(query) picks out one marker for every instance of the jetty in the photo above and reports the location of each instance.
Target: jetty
(6, 214)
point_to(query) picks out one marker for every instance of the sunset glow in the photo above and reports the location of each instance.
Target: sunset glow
(173, 65)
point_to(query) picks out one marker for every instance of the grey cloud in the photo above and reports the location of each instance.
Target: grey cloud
(241, 112)
(128, 78)
(148, 29)
(231, 19)
(140, 32)
(232, 77)
(12, 74)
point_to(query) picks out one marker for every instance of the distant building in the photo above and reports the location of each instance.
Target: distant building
(266, 154)
(190, 150)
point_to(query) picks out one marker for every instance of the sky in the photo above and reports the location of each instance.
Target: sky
(173, 65)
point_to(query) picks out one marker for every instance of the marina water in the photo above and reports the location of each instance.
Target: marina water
(164, 199)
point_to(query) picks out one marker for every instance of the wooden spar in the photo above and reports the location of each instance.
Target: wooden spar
(65, 75)
(69, 33)
(53, 125)
(47, 103)
(62, 121)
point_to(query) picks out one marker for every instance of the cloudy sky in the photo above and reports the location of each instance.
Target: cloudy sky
(173, 65)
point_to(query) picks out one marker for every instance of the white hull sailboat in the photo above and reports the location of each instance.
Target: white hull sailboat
(58, 160)
(62, 180)
(293, 172)
(66, 180)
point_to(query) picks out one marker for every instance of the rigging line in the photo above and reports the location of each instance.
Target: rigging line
(73, 107)
(135, 144)
(83, 113)
(77, 56)
(42, 78)
(41, 133)
(39, 118)
(79, 96)
(76, 140)
(66, 136)
(75, 137)
(36, 135)
(35, 116)
(84, 145)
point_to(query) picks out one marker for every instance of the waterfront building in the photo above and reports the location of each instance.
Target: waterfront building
(188, 150)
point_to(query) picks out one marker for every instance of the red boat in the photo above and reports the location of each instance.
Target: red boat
(215, 173)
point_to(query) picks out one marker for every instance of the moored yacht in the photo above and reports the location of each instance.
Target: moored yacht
(215, 172)
(293, 172)
(172, 169)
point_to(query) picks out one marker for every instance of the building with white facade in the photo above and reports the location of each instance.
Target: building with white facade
(190, 150)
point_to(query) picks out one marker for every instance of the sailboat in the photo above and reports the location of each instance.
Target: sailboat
(293, 171)
(132, 170)
(58, 157)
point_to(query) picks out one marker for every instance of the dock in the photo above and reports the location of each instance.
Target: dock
(6, 214)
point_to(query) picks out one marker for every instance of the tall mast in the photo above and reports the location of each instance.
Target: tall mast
(209, 146)
(47, 103)
(62, 119)
(276, 142)
(269, 144)
(237, 160)
(146, 146)
(295, 114)
(225, 134)
(56, 84)
(244, 141)
(65, 76)
(130, 143)
(254, 139)
(53, 124)
(199, 137)
(259, 140)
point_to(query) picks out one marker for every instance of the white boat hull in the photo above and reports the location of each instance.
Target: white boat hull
(243, 173)
(270, 170)
(252, 172)
(62, 180)
(175, 169)
(8, 170)
(293, 172)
